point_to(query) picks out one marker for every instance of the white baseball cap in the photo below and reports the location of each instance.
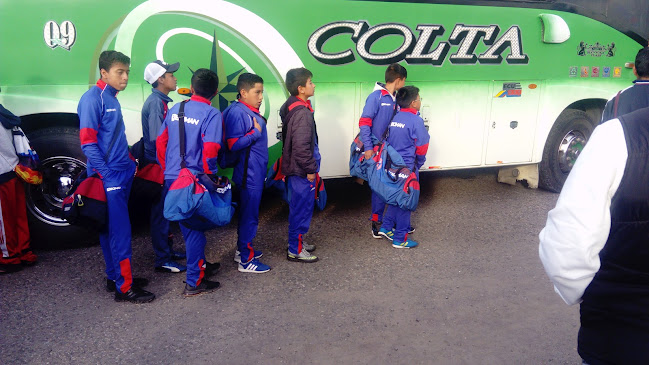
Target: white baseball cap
(158, 68)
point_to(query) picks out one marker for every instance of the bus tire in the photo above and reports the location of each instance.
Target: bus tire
(565, 142)
(59, 150)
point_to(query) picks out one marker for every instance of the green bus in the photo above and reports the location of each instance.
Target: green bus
(515, 84)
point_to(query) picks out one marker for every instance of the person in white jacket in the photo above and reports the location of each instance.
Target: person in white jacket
(595, 244)
(15, 251)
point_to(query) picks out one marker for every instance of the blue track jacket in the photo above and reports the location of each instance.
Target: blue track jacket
(154, 112)
(203, 128)
(409, 137)
(378, 110)
(100, 117)
(240, 134)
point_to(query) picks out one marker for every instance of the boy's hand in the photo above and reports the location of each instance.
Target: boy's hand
(310, 177)
(257, 126)
(369, 154)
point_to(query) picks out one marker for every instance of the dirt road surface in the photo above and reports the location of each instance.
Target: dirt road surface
(474, 292)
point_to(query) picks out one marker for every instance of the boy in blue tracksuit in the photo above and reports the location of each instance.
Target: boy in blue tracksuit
(103, 141)
(203, 133)
(245, 135)
(409, 137)
(377, 113)
(161, 77)
(300, 160)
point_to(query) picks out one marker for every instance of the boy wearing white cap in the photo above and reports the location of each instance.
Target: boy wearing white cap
(161, 76)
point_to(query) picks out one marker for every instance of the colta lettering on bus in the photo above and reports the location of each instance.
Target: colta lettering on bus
(418, 50)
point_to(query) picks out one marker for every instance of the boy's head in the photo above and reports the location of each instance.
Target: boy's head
(298, 82)
(114, 69)
(395, 73)
(161, 75)
(251, 89)
(408, 97)
(641, 67)
(205, 83)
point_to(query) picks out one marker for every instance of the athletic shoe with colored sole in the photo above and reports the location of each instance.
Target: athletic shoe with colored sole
(237, 255)
(204, 287)
(303, 256)
(387, 234)
(254, 266)
(407, 244)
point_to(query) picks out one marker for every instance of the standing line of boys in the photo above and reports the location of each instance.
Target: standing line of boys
(241, 131)
(103, 140)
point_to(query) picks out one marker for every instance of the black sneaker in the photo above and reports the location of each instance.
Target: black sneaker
(376, 226)
(134, 295)
(211, 268)
(139, 282)
(411, 229)
(204, 287)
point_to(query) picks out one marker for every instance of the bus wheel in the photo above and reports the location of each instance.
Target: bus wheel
(565, 142)
(62, 160)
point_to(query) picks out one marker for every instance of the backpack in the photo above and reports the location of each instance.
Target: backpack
(227, 158)
(86, 205)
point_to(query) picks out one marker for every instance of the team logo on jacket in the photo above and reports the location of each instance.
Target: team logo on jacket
(419, 50)
(510, 90)
(194, 121)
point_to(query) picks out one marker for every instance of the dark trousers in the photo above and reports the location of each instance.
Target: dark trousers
(301, 198)
(248, 222)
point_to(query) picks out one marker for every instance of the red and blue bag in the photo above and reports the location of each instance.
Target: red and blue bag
(86, 205)
(320, 193)
(28, 168)
(149, 177)
(392, 180)
(202, 204)
(276, 181)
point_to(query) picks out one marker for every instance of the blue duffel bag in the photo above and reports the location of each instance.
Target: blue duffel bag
(199, 203)
(391, 179)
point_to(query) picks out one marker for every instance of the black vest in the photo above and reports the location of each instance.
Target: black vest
(615, 308)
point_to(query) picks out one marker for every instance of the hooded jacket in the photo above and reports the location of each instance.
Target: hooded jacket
(377, 113)
(300, 155)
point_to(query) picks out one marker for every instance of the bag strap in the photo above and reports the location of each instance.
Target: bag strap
(617, 99)
(181, 133)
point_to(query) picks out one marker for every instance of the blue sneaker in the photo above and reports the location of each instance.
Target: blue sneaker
(387, 234)
(237, 255)
(407, 244)
(172, 267)
(254, 266)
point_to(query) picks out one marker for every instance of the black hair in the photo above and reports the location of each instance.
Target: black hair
(155, 85)
(407, 95)
(642, 62)
(247, 81)
(297, 77)
(395, 71)
(108, 58)
(205, 83)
